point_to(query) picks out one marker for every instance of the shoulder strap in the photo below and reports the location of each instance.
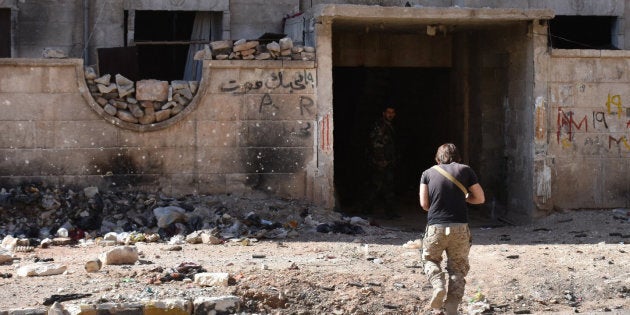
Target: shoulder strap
(452, 179)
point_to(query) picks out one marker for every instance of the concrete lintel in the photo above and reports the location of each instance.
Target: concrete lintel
(453, 15)
(194, 5)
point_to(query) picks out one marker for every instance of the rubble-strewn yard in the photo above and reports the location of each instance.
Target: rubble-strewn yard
(289, 257)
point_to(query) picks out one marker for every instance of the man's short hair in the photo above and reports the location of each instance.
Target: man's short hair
(447, 153)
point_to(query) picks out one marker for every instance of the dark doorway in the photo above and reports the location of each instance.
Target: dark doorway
(162, 40)
(422, 99)
(5, 33)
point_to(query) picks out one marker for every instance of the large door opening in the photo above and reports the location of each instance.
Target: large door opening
(422, 99)
(466, 81)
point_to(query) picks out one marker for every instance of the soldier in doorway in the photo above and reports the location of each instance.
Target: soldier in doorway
(382, 159)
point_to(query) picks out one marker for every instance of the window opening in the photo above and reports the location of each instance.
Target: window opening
(582, 32)
(163, 45)
(5, 33)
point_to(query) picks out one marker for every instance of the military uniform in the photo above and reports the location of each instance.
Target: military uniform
(382, 161)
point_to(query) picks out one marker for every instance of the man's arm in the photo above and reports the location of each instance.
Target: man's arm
(424, 197)
(475, 195)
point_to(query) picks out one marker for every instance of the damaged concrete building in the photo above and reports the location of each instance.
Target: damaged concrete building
(532, 91)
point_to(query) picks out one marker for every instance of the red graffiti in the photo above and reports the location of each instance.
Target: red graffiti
(566, 122)
(325, 136)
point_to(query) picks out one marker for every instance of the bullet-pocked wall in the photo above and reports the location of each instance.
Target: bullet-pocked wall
(252, 130)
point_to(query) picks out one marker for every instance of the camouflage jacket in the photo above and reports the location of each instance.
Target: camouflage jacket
(382, 146)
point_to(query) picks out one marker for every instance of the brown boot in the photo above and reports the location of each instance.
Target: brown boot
(451, 308)
(437, 299)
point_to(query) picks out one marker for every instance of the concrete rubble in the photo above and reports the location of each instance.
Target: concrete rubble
(143, 102)
(44, 216)
(255, 50)
(37, 216)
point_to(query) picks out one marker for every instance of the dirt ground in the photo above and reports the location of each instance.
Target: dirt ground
(571, 262)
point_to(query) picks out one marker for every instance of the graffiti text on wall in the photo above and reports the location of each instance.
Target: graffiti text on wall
(569, 123)
(287, 81)
(267, 104)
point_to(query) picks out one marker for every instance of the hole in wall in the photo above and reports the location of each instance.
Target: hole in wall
(582, 32)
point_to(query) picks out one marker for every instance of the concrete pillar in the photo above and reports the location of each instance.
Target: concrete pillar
(323, 184)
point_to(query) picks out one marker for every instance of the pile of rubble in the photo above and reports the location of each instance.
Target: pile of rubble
(253, 50)
(41, 216)
(143, 102)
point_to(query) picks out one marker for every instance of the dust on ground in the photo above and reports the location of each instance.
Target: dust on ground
(568, 262)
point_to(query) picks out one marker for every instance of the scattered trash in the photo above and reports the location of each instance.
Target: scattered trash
(340, 227)
(64, 297)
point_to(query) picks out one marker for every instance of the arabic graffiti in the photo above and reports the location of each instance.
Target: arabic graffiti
(296, 81)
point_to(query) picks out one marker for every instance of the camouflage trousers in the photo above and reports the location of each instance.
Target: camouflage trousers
(455, 240)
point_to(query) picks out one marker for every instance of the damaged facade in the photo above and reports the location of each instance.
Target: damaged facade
(538, 111)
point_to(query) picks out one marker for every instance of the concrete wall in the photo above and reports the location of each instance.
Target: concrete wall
(49, 23)
(498, 92)
(353, 49)
(588, 122)
(254, 129)
(252, 18)
(241, 18)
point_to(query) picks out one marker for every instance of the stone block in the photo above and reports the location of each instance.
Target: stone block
(79, 134)
(212, 279)
(572, 70)
(41, 269)
(17, 134)
(166, 138)
(221, 107)
(612, 70)
(217, 133)
(27, 106)
(121, 255)
(61, 79)
(172, 306)
(21, 162)
(570, 182)
(152, 90)
(211, 184)
(212, 160)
